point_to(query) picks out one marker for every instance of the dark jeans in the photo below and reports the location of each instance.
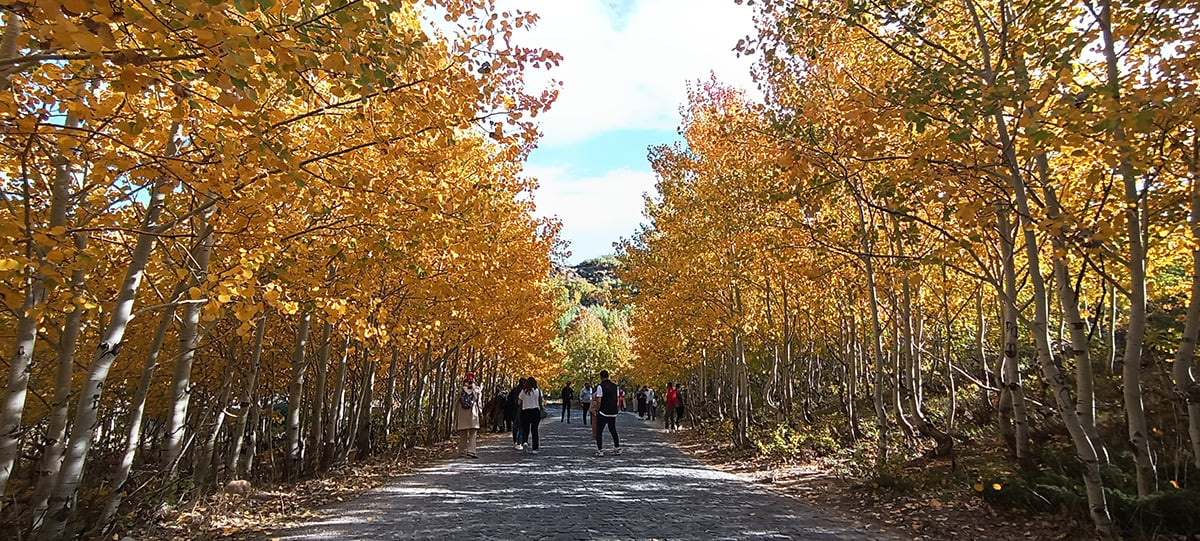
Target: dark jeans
(516, 429)
(566, 411)
(583, 406)
(530, 418)
(678, 416)
(601, 421)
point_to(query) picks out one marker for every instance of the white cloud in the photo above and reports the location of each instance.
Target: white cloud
(627, 68)
(594, 211)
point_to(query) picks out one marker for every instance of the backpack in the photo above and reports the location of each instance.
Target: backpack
(467, 398)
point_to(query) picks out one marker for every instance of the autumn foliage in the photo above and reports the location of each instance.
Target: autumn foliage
(946, 222)
(226, 223)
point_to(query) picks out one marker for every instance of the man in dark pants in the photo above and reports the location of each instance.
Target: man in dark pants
(606, 394)
(568, 394)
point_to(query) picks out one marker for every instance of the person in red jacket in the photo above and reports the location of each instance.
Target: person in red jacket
(672, 404)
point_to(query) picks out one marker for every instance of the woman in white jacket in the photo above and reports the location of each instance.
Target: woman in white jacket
(531, 414)
(467, 410)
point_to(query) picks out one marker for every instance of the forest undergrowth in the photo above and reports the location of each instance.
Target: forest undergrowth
(974, 494)
(252, 514)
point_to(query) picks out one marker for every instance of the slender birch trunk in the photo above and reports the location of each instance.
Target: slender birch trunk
(294, 462)
(317, 415)
(205, 472)
(36, 292)
(247, 401)
(8, 49)
(363, 422)
(137, 409)
(87, 410)
(338, 407)
(1068, 299)
(1131, 374)
(189, 341)
(389, 400)
(981, 348)
(1016, 424)
(1058, 382)
(55, 438)
(881, 420)
(1184, 369)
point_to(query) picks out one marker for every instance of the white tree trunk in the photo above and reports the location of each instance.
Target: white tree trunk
(8, 47)
(1184, 369)
(1131, 374)
(316, 432)
(1010, 368)
(189, 340)
(36, 291)
(294, 461)
(248, 399)
(87, 411)
(1058, 382)
(67, 342)
(205, 470)
(137, 409)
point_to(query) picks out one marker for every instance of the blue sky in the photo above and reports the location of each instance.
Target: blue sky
(625, 70)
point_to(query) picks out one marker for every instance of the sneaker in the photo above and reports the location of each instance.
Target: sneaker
(617, 451)
(599, 453)
(516, 447)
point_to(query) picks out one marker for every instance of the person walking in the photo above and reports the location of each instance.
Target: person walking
(512, 411)
(498, 416)
(585, 400)
(606, 394)
(672, 402)
(651, 404)
(681, 396)
(531, 414)
(641, 402)
(467, 414)
(568, 394)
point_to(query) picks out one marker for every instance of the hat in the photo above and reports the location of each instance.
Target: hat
(470, 377)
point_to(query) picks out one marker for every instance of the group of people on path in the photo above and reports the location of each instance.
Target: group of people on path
(523, 408)
(648, 404)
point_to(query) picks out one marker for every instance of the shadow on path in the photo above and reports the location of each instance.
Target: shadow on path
(651, 491)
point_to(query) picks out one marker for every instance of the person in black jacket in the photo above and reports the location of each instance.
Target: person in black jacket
(568, 394)
(606, 394)
(512, 409)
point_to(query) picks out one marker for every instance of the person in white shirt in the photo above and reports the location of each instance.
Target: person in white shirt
(531, 414)
(585, 400)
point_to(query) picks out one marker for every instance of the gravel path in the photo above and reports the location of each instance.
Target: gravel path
(651, 491)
